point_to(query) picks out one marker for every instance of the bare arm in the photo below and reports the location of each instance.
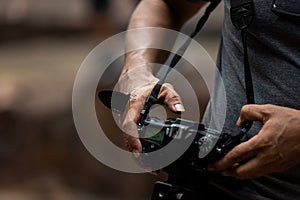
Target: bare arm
(137, 78)
(170, 14)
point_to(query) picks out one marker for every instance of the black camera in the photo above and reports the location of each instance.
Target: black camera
(207, 146)
(190, 169)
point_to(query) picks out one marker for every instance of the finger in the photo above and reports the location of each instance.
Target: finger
(231, 171)
(171, 98)
(133, 144)
(131, 135)
(252, 112)
(249, 170)
(240, 153)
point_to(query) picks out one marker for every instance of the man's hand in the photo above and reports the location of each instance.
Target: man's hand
(275, 148)
(139, 89)
(168, 14)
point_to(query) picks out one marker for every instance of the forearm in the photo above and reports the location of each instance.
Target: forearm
(170, 14)
(137, 78)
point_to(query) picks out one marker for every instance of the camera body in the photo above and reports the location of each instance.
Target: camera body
(208, 145)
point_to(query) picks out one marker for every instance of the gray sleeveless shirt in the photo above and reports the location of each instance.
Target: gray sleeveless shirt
(274, 56)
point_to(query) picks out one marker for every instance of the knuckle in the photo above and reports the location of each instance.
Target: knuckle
(234, 156)
(268, 109)
(167, 86)
(170, 90)
(245, 109)
(140, 98)
(169, 93)
(173, 96)
(268, 106)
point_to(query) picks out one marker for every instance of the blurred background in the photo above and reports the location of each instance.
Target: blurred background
(42, 45)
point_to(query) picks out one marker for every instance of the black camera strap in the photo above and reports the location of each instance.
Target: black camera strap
(242, 12)
(118, 105)
(174, 59)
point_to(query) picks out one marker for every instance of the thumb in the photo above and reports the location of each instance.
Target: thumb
(171, 98)
(252, 112)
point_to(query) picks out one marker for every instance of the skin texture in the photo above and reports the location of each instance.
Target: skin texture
(171, 14)
(275, 148)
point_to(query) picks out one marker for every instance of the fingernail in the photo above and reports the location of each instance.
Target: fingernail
(136, 153)
(179, 107)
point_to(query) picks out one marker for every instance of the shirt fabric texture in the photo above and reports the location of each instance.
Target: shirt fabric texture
(274, 57)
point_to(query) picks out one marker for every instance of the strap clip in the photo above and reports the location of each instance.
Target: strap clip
(242, 15)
